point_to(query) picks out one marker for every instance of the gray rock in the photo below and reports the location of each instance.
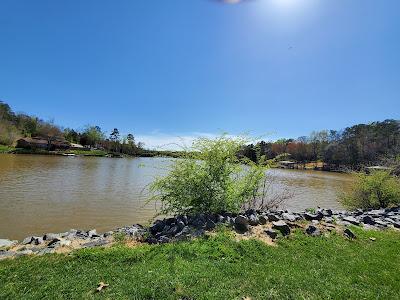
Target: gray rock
(367, 219)
(7, 243)
(282, 227)
(198, 232)
(7, 254)
(348, 233)
(273, 217)
(377, 212)
(351, 220)
(27, 240)
(263, 219)
(46, 251)
(271, 233)
(92, 233)
(313, 231)
(23, 253)
(289, 217)
(108, 234)
(37, 240)
(96, 243)
(210, 225)
(157, 226)
(51, 236)
(327, 212)
(254, 220)
(309, 217)
(163, 239)
(380, 223)
(315, 222)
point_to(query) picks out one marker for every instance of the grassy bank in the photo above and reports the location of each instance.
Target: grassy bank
(217, 267)
(6, 149)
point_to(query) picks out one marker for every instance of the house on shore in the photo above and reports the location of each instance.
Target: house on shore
(42, 143)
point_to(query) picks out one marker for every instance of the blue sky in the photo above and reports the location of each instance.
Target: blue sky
(168, 68)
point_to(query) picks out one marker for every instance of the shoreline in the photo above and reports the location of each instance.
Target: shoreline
(266, 226)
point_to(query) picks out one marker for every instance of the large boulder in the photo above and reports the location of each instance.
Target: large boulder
(241, 224)
(282, 227)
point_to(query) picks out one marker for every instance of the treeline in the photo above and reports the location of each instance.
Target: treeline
(356, 146)
(14, 126)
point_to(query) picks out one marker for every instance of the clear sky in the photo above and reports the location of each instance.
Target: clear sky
(167, 68)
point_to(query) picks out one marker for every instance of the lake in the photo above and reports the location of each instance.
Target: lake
(41, 194)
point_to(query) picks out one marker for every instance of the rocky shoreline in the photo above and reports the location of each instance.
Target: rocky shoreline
(270, 225)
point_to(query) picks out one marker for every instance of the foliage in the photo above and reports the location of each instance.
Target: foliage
(355, 146)
(211, 179)
(376, 190)
(217, 267)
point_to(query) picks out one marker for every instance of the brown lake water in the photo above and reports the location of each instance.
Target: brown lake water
(40, 194)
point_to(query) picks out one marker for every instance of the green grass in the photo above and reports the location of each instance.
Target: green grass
(6, 149)
(300, 267)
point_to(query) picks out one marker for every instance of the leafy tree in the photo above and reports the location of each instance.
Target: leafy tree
(209, 180)
(376, 190)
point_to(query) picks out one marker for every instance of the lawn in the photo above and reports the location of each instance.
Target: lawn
(217, 267)
(5, 149)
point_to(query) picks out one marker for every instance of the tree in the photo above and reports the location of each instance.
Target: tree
(114, 137)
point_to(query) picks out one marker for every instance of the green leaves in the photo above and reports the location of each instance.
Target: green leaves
(213, 179)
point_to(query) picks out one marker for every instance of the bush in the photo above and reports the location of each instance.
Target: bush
(376, 190)
(211, 179)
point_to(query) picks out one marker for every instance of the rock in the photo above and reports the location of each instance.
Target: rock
(198, 232)
(271, 233)
(7, 243)
(46, 251)
(313, 231)
(96, 243)
(59, 242)
(289, 217)
(250, 212)
(396, 224)
(23, 253)
(327, 212)
(37, 240)
(282, 227)
(380, 223)
(7, 254)
(210, 225)
(157, 226)
(108, 234)
(92, 234)
(163, 239)
(377, 212)
(27, 240)
(328, 220)
(263, 219)
(254, 220)
(241, 224)
(309, 217)
(367, 219)
(351, 220)
(51, 236)
(315, 222)
(273, 218)
(348, 233)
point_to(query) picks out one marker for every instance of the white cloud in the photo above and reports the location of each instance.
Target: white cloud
(162, 141)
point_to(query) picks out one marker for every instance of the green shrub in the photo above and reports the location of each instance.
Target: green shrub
(211, 179)
(376, 190)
